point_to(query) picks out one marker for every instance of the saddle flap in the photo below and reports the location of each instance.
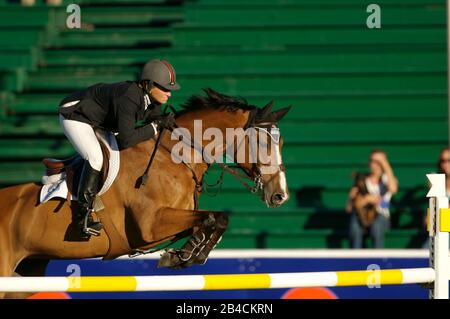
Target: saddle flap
(68, 170)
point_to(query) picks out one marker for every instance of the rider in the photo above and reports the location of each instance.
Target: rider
(115, 108)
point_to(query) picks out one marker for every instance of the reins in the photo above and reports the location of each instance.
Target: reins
(143, 179)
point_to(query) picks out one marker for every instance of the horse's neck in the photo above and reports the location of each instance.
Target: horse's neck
(219, 119)
(140, 154)
(209, 119)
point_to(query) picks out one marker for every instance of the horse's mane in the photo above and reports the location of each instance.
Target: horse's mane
(215, 100)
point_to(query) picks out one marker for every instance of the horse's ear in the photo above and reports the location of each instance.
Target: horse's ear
(278, 115)
(265, 111)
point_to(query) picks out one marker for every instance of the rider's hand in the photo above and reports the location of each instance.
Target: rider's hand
(167, 121)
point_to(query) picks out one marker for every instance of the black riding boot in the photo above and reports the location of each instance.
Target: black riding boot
(87, 190)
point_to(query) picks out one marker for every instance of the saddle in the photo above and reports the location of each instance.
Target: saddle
(62, 176)
(71, 168)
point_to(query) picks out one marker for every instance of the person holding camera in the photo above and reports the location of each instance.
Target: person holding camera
(374, 193)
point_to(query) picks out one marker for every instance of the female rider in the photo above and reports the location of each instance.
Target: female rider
(115, 108)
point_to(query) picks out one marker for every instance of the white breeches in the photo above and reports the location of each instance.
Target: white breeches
(84, 140)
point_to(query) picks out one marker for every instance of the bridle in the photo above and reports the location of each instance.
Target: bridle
(254, 174)
(258, 184)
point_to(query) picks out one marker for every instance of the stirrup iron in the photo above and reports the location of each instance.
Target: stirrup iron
(88, 230)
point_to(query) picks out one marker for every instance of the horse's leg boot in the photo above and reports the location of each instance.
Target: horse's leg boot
(197, 249)
(220, 228)
(182, 258)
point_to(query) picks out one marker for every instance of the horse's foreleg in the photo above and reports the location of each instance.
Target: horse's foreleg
(198, 247)
(166, 223)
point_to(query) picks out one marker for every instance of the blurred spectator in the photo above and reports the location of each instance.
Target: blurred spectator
(54, 2)
(443, 167)
(28, 3)
(369, 201)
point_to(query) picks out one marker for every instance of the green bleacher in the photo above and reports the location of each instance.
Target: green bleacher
(353, 89)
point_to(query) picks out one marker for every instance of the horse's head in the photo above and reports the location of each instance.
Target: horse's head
(252, 140)
(263, 162)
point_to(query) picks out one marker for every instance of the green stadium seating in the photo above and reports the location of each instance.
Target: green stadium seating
(302, 61)
(307, 15)
(35, 17)
(313, 239)
(321, 3)
(13, 59)
(29, 103)
(286, 36)
(34, 149)
(117, 37)
(119, 2)
(135, 15)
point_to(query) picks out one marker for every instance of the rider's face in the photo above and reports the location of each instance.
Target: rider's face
(159, 94)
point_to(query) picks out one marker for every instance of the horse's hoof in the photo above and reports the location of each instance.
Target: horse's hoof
(170, 259)
(167, 259)
(200, 261)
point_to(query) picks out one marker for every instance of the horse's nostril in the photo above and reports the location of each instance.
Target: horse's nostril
(277, 198)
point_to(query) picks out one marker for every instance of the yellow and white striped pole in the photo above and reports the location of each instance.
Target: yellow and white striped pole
(217, 282)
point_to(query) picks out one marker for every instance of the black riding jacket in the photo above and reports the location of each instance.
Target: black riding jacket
(114, 107)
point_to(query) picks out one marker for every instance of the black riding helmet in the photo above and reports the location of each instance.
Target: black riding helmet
(160, 72)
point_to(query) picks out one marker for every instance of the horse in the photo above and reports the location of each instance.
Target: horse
(141, 218)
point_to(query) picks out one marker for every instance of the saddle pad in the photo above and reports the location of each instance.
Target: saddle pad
(58, 186)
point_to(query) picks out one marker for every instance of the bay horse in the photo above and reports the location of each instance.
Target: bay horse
(165, 207)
